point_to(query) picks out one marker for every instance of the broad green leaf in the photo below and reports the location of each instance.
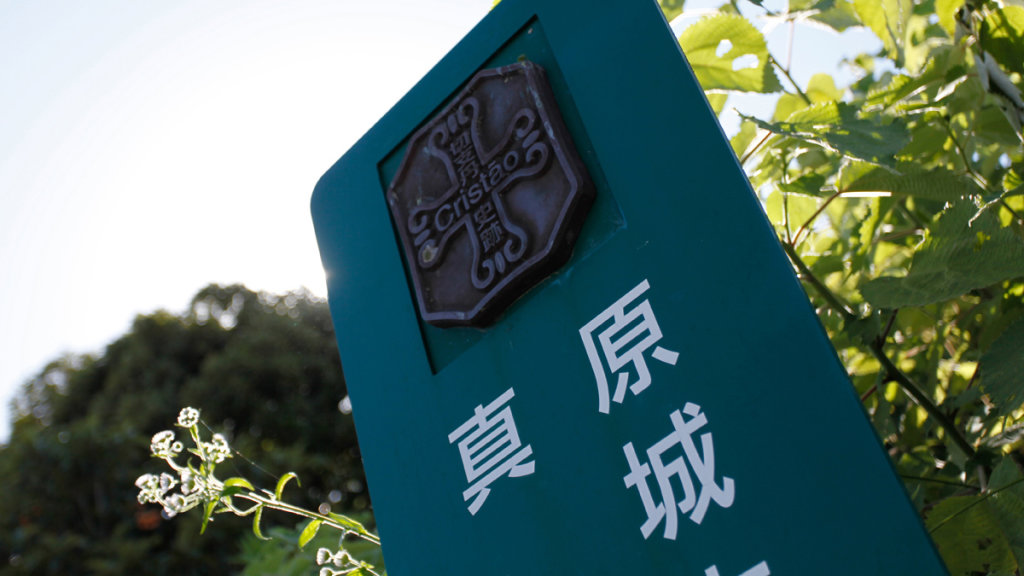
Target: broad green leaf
(946, 11)
(983, 533)
(284, 480)
(727, 52)
(309, 532)
(836, 14)
(810, 184)
(913, 180)
(888, 20)
(1002, 369)
(1003, 37)
(964, 250)
(671, 8)
(743, 139)
(822, 88)
(1007, 502)
(1012, 182)
(927, 141)
(837, 126)
(944, 67)
(787, 105)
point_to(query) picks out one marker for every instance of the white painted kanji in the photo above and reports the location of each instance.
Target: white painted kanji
(490, 448)
(760, 570)
(617, 339)
(692, 465)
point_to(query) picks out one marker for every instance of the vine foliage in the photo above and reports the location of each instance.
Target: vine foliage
(899, 199)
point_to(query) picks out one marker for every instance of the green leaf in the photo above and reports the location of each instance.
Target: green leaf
(970, 535)
(913, 180)
(791, 210)
(965, 250)
(809, 184)
(888, 20)
(309, 532)
(942, 69)
(727, 52)
(257, 517)
(1002, 369)
(946, 11)
(743, 139)
(234, 486)
(1003, 37)
(238, 482)
(822, 88)
(284, 480)
(837, 126)
(717, 101)
(836, 14)
(671, 8)
(207, 513)
(787, 105)
(349, 524)
(1012, 182)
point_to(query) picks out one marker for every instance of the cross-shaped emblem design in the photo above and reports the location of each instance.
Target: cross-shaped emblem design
(489, 197)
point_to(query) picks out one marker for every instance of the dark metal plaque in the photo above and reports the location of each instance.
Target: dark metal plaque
(489, 198)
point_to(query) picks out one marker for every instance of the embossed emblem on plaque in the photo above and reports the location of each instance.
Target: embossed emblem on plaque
(489, 197)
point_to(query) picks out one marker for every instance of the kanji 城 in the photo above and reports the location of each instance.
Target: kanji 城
(695, 499)
(624, 337)
(490, 448)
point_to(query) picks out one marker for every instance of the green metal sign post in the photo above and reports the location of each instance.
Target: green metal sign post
(571, 339)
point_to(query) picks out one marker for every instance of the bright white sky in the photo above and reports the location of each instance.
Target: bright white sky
(150, 148)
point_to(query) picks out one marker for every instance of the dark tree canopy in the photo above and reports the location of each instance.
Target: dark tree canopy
(265, 372)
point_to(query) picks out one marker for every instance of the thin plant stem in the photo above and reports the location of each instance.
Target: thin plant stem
(806, 225)
(756, 147)
(785, 72)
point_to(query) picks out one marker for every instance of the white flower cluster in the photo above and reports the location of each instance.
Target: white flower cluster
(156, 489)
(188, 417)
(164, 445)
(344, 562)
(217, 449)
(195, 486)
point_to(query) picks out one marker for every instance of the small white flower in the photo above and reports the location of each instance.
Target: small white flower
(340, 558)
(218, 449)
(188, 417)
(162, 445)
(174, 505)
(149, 488)
(167, 482)
(190, 482)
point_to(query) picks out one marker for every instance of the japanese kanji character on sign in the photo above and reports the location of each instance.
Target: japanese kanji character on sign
(623, 342)
(701, 464)
(490, 448)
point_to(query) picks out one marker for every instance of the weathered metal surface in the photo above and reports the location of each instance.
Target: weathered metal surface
(489, 198)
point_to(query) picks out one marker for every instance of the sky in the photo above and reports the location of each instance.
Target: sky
(150, 148)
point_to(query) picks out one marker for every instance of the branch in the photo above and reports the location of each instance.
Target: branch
(789, 77)
(891, 371)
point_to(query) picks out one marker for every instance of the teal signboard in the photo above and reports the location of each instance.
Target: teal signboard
(572, 342)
